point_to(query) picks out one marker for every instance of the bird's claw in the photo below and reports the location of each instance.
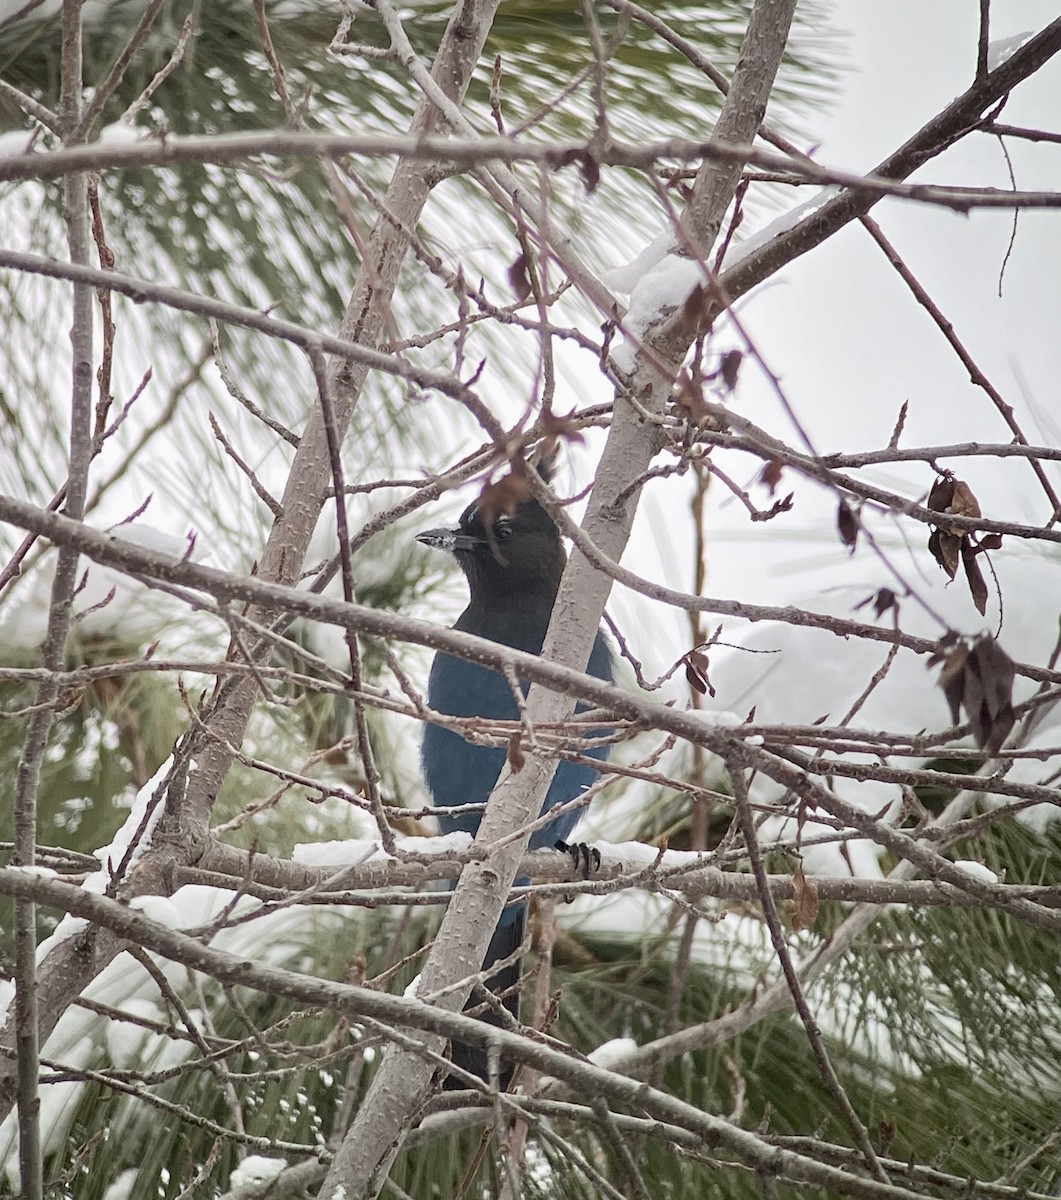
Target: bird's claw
(585, 859)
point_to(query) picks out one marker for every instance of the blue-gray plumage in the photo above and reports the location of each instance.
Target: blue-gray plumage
(513, 573)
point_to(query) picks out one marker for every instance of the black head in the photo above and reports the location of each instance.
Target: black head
(518, 556)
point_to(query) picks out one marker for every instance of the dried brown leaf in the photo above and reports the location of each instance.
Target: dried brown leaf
(771, 474)
(588, 165)
(939, 497)
(519, 279)
(805, 901)
(953, 496)
(699, 660)
(988, 697)
(945, 548)
(885, 601)
(943, 646)
(963, 502)
(848, 525)
(558, 426)
(695, 306)
(974, 576)
(516, 759)
(690, 400)
(979, 679)
(692, 677)
(590, 169)
(729, 368)
(952, 679)
(503, 496)
(696, 667)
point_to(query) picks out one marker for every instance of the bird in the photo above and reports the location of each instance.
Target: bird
(513, 561)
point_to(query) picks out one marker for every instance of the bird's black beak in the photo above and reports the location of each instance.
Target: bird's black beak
(451, 540)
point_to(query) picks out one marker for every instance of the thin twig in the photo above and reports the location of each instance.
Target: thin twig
(114, 77)
(160, 77)
(260, 490)
(32, 108)
(968, 362)
(472, 150)
(28, 778)
(364, 741)
(983, 41)
(777, 938)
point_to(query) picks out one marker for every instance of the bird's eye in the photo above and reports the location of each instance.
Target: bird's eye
(502, 531)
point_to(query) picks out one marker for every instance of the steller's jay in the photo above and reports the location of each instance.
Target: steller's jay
(513, 574)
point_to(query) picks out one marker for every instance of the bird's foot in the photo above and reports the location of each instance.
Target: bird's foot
(585, 859)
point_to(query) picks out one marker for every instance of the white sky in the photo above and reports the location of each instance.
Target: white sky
(850, 344)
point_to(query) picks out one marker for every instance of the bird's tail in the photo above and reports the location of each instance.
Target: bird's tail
(507, 939)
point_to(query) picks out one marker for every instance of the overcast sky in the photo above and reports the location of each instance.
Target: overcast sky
(841, 327)
(850, 345)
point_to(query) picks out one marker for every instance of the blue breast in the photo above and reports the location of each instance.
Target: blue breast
(458, 772)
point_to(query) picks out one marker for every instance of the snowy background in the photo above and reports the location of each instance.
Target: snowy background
(850, 347)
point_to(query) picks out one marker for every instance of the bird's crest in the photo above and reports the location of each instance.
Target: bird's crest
(544, 458)
(502, 497)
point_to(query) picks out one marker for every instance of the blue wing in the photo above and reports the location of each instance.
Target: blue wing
(459, 773)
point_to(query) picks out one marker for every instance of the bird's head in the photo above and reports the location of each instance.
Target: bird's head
(504, 553)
